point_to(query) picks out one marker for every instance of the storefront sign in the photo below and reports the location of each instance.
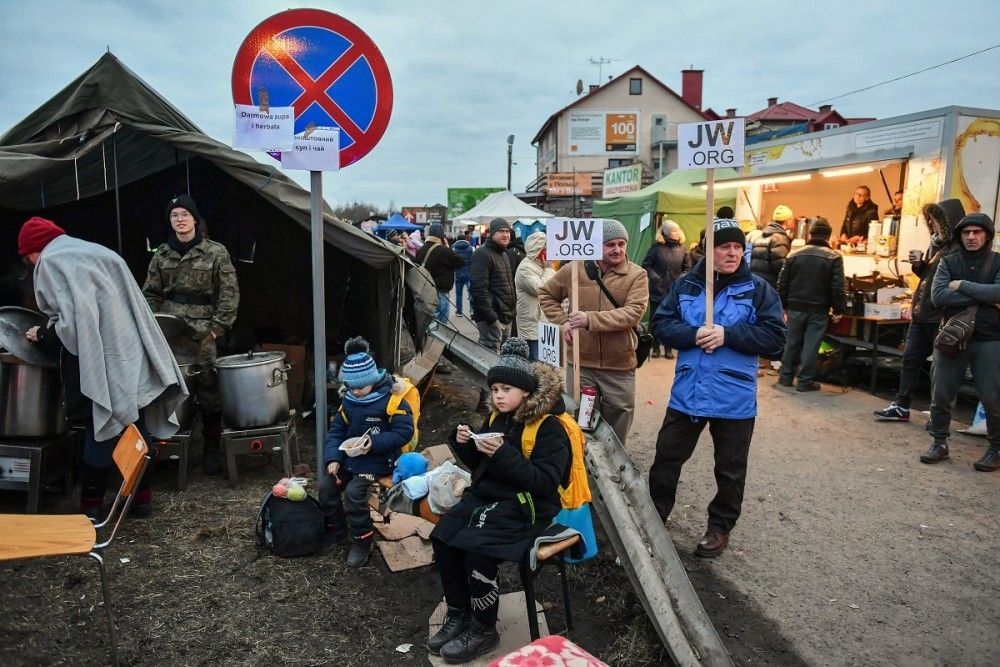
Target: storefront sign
(548, 343)
(574, 238)
(622, 180)
(319, 151)
(603, 132)
(423, 215)
(568, 184)
(711, 144)
(262, 130)
(898, 135)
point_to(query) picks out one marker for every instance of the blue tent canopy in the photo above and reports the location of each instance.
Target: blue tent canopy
(397, 222)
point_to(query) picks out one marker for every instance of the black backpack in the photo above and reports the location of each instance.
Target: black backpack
(288, 528)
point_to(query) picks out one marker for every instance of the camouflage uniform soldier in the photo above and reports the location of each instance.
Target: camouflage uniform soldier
(193, 278)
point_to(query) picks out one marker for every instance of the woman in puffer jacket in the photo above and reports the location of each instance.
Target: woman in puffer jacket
(531, 274)
(665, 261)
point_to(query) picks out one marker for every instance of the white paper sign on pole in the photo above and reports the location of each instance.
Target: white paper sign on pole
(711, 144)
(574, 238)
(254, 129)
(320, 151)
(549, 337)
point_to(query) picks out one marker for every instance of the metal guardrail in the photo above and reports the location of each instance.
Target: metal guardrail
(625, 509)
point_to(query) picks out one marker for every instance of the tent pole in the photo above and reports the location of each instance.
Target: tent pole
(319, 313)
(118, 208)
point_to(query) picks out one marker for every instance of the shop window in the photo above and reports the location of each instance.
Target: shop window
(635, 86)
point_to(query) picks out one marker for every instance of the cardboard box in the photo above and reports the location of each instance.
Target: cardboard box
(883, 311)
(885, 295)
(296, 356)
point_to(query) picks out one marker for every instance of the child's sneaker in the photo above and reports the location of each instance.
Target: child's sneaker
(893, 413)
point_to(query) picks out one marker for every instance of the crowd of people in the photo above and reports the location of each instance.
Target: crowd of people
(769, 303)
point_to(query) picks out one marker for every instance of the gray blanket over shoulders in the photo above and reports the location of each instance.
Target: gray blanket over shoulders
(101, 316)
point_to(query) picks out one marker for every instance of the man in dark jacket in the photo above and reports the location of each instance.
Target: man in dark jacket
(810, 284)
(441, 261)
(969, 277)
(463, 277)
(772, 246)
(941, 218)
(861, 210)
(715, 383)
(494, 300)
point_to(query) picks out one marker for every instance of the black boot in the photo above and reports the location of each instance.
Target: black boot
(93, 482)
(474, 642)
(211, 434)
(989, 462)
(361, 549)
(937, 452)
(456, 621)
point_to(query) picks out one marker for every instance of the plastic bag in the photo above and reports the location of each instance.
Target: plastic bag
(447, 484)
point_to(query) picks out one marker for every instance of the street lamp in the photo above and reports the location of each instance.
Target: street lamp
(510, 154)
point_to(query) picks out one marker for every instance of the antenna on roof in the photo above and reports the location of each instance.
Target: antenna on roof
(601, 62)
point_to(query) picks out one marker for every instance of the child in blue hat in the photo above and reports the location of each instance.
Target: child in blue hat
(344, 485)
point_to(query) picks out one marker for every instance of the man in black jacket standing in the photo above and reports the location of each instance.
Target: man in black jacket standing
(969, 277)
(441, 261)
(810, 284)
(493, 297)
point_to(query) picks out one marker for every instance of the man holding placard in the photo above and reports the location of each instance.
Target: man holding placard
(605, 329)
(716, 378)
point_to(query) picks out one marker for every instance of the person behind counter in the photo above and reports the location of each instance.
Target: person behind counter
(861, 210)
(193, 278)
(115, 365)
(896, 210)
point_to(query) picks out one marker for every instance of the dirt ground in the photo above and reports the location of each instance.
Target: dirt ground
(849, 552)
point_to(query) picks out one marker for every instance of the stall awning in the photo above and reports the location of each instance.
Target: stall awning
(806, 169)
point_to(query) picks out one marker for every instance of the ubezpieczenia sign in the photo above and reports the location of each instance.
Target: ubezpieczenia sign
(574, 238)
(711, 144)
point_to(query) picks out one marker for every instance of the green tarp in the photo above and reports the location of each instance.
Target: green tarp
(670, 198)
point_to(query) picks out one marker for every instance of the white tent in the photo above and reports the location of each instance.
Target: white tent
(501, 204)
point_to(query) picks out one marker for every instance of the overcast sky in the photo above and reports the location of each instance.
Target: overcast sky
(467, 74)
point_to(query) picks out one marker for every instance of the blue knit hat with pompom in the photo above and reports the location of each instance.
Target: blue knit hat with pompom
(359, 369)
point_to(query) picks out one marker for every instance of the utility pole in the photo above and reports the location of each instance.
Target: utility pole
(510, 156)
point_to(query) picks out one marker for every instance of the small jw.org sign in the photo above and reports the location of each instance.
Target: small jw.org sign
(711, 144)
(549, 337)
(574, 238)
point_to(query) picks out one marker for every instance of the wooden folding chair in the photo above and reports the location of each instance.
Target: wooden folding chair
(24, 536)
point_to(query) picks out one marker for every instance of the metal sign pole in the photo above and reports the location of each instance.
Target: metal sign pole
(710, 248)
(319, 313)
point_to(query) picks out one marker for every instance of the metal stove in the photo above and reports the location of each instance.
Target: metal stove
(26, 464)
(175, 448)
(282, 437)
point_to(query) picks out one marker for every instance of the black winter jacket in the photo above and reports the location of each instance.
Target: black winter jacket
(769, 252)
(441, 263)
(812, 280)
(965, 266)
(493, 295)
(664, 264)
(856, 220)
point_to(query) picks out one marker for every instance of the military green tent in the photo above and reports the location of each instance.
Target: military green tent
(673, 197)
(103, 156)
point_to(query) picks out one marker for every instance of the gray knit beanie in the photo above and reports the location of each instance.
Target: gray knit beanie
(435, 229)
(513, 368)
(614, 230)
(496, 224)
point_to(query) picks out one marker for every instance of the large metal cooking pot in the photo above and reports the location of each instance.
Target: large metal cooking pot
(185, 411)
(30, 397)
(30, 400)
(254, 389)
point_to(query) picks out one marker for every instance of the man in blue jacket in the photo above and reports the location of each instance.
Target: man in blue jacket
(715, 381)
